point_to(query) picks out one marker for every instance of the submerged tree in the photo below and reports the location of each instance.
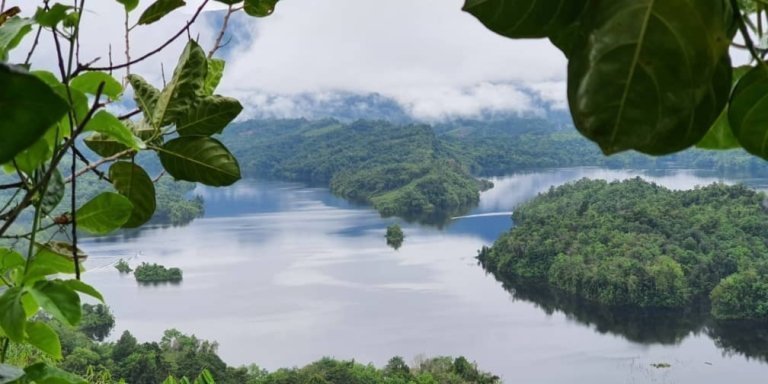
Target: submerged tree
(395, 236)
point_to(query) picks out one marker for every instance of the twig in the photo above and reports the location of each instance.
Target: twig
(744, 32)
(152, 52)
(96, 164)
(217, 44)
(156, 179)
(127, 46)
(34, 45)
(12, 185)
(129, 114)
(85, 160)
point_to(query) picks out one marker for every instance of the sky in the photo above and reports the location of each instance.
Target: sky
(434, 60)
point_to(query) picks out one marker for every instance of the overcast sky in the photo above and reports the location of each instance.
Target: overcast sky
(433, 59)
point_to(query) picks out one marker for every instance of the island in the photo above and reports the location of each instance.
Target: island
(155, 273)
(636, 244)
(123, 267)
(395, 236)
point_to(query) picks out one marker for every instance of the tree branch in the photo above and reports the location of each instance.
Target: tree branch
(150, 53)
(217, 44)
(94, 165)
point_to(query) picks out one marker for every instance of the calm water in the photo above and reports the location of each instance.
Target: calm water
(281, 275)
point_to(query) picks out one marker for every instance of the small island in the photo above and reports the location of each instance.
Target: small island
(637, 244)
(395, 236)
(123, 267)
(155, 273)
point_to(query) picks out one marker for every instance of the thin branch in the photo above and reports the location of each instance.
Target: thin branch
(34, 45)
(127, 46)
(129, 114)
(217, 44)
(85, 160)
(96, 164)
(160, 176)
(152, 52)
(12, 185)
(740, 19)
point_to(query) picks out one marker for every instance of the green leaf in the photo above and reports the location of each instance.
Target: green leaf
(33, 157)
(89, 82)
(199, 159)
(104, 213)
(129, 5)
(213, 77)
(748, 111)
(79, 286)
(107, 124)
(10, 259)
(52, 258)
(131, 181)
(53, 194)
(12, 316)
(103, 145)
(62, 302)
(9, 374)
(184, 88)
(720, 135)
(639, 78)
(209, 115)
(71, 20)
(29, 107)
(158, 10)
(42, 373)
(11, 33)
(145, 95)
(525, 18)
(52, 16)
(260, 8)
(44, 338)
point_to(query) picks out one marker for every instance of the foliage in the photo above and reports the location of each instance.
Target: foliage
(653, 76)
(395, 236)
(97, 321)
(48, 118)
(123, 267)
(154, 273)
(638, 244)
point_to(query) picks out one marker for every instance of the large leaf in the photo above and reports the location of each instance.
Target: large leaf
(104, 213)
(639, 78)
(79, 286)
(44, 338)
(29, 107)
(52, 258)
(11, 33)
(720, 135)
(62, 302)
(186, 85)
(526, 18)
(200, 159)
(134, 183)
(10, 259)
(52, 16)
(158, 10)
(89, 83)
(259, 8)
(107, 124)
(104, 145)
(41, 373)
(145, 95)
(53, 194)
(213, 77)
(12, 315)
(208, 116)
(748, 111)
(33, 157)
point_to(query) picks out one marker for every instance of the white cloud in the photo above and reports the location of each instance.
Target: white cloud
(433, 59)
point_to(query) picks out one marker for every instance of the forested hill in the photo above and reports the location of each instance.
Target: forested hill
(401, 170)
(427, 171)
(633, 243)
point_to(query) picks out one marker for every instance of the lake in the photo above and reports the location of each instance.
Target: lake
(280, 275)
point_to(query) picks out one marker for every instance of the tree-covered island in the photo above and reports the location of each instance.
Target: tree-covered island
(634, 243)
